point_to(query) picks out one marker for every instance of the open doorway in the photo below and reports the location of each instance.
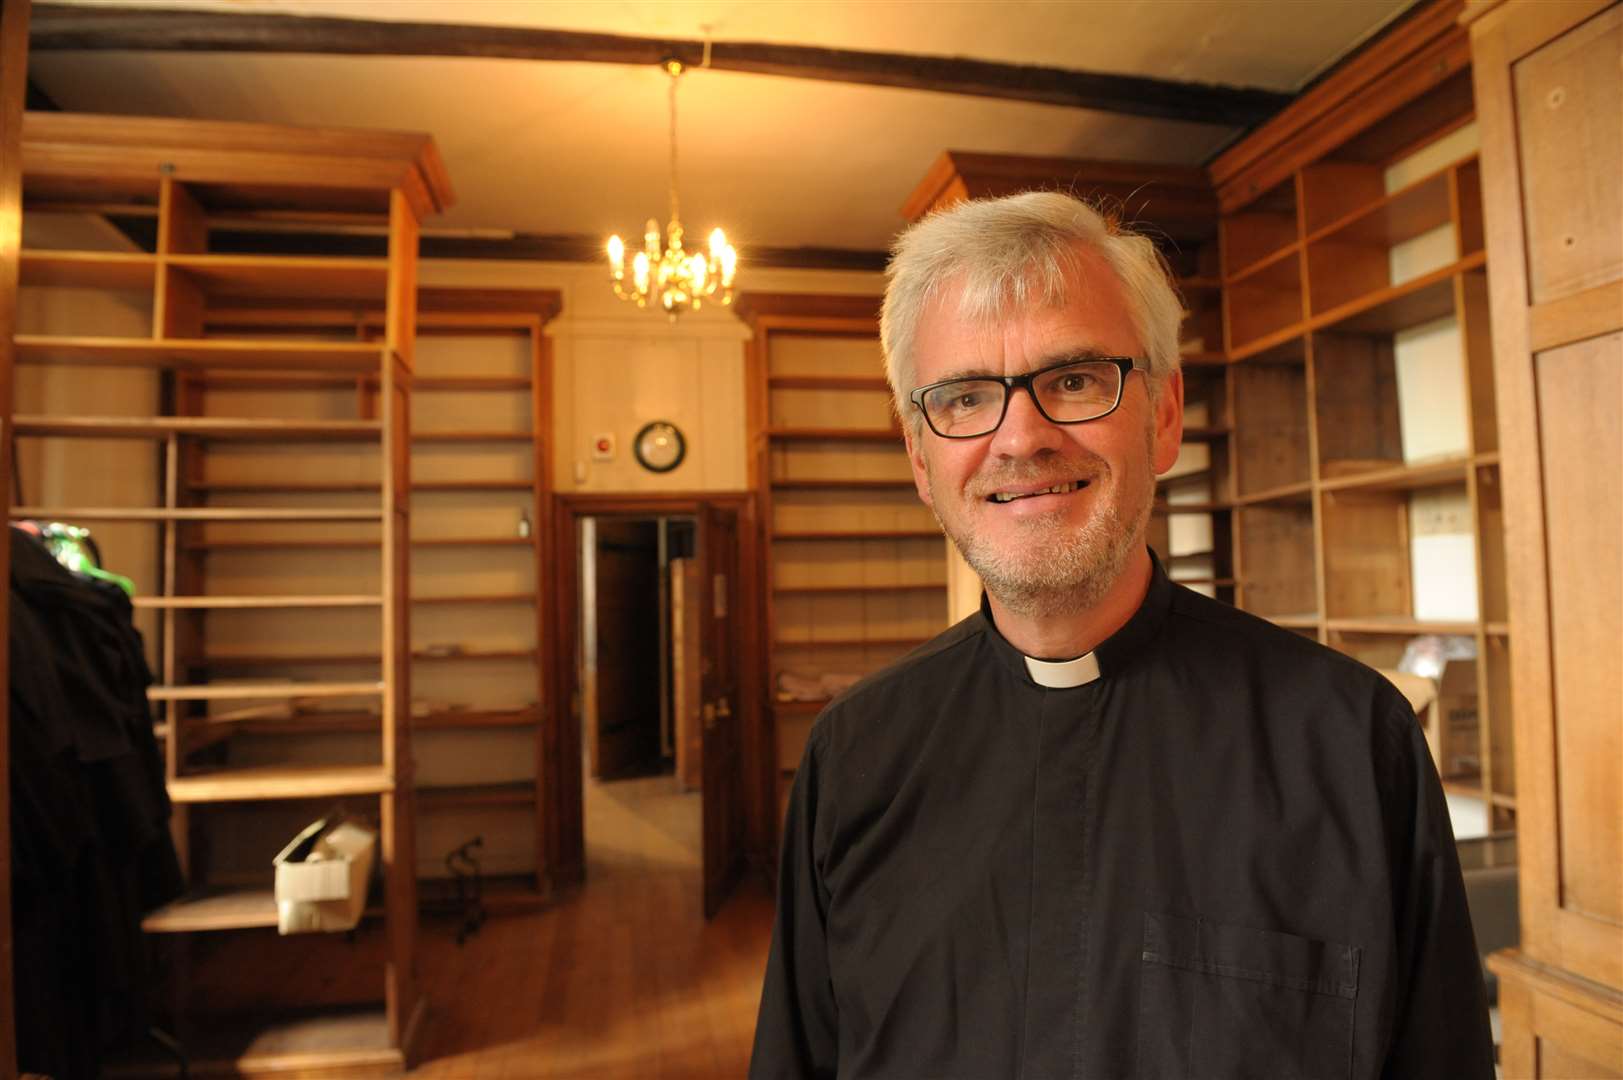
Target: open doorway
(639, 649)
(655, 648)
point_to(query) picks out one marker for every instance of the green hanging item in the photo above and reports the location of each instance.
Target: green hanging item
(73, 548)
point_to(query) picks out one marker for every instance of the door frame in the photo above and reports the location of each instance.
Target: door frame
(561, 774)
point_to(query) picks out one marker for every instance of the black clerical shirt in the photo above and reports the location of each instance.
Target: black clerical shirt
(1229, 856)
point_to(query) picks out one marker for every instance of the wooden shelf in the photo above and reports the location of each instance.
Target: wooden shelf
(841, 590)
(251, 660)
(1285, 345)
(286, 277)
(828, 382)
(192, 354)
(849, 643)
(842, 485)
(800, 708)
(161, 427)
(268, 782)
(1398, 307)
(1278, 263)
(284, 487)
(894, 534)
(474, 541)
(479, 598)
(254, 602)
(478, 383)
(834, 434)
(1295, 621)
(1218, 583)
(336, 1041)
(1399, 624)
(160, 513)
(1300, 492)
(474, 654)
(1203, 509)
(88, 269)
(228, 661)
(300, 544)
(333, 723)
(1401, 478)
(439, 486)
(471, 436)
(516, 793)
(1394, 218)
(1204, 358)
(215, 909)
(351, 542)
(248, 691)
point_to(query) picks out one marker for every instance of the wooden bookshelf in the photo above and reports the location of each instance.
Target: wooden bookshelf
(480, 465)
(838, 506)
(1365, 471)
(209, 168)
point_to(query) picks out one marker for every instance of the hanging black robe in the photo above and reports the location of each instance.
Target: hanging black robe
(1229, 856)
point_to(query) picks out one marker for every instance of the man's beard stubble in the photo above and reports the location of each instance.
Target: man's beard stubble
(1059, 573)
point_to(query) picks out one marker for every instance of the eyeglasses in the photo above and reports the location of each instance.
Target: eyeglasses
(1070, 392)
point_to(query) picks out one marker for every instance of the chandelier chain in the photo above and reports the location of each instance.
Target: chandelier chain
(676, 73)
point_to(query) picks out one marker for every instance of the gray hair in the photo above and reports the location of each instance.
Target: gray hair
(1012, 252)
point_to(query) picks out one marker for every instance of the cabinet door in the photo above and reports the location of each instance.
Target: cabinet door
(1549, 89)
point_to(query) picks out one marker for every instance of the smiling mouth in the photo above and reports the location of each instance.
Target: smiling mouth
(1058, 489)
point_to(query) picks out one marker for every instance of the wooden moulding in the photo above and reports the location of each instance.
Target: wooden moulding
(1411, 59)
(860, 314)
(218, 157)
(1179, 201)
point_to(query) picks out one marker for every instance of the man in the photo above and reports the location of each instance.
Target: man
(1105, 827)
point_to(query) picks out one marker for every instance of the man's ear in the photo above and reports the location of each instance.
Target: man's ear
(914, 436)
(1168, 422)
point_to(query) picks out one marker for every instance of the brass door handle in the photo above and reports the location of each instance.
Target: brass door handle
(708, 714)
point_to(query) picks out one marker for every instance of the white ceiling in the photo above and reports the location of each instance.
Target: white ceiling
(575, 148)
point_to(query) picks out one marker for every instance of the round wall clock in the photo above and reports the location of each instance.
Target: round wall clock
(660, 446)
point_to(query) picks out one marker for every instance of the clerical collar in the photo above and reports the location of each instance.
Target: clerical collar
(1114, 654)
(1063, 674)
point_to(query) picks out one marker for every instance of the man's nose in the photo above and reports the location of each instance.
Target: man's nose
(1025, 431)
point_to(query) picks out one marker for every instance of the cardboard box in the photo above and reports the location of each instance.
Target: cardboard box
(322, 877)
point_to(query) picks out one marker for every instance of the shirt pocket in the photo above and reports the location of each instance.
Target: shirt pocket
(1230, 1001)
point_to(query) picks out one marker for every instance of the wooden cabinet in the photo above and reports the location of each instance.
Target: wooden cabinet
(854, 568)
(134, 338)
(1365, 474)
(1549, 85)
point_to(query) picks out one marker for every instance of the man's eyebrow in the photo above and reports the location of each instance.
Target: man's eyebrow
(1064, 357)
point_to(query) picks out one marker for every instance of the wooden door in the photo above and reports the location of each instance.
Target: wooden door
(626, 733)
(720, 704)
(1550, 104)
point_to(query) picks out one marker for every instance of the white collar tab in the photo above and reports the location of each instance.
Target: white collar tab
(1063, 674)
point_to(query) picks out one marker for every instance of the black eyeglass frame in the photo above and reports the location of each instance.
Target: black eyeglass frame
(1124, 364)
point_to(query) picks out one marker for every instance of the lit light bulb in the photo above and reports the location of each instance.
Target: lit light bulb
(617, 256)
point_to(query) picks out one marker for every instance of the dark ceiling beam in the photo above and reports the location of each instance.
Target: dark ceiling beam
(226, 240)
(67, 27)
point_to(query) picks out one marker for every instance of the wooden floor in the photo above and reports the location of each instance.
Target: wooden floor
(623, 979)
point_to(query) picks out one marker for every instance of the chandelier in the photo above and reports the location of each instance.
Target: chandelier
(674, 278)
